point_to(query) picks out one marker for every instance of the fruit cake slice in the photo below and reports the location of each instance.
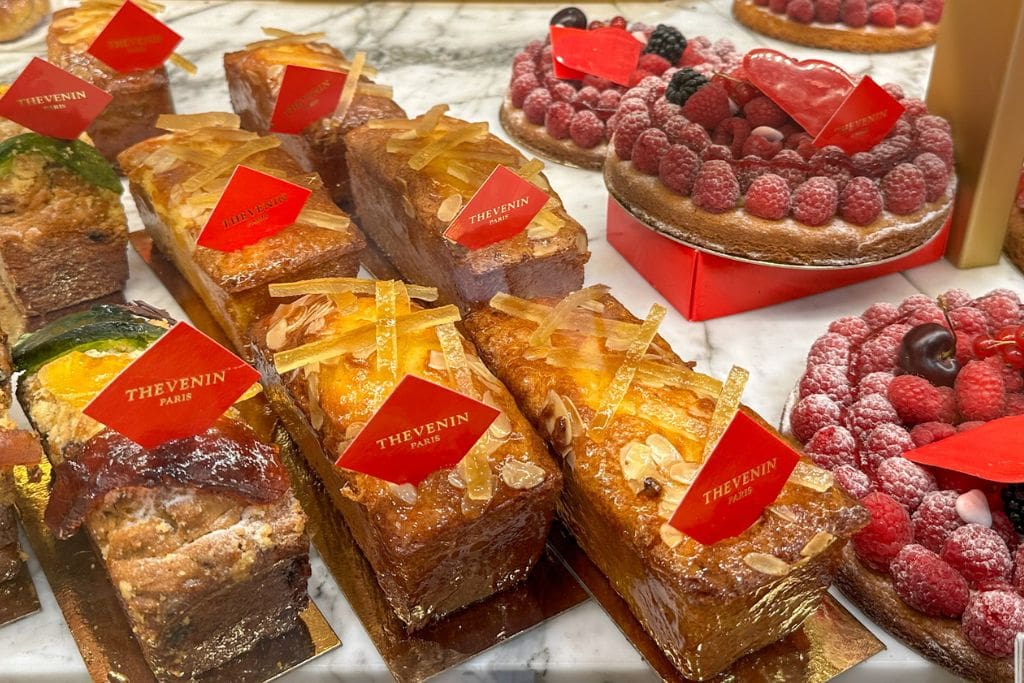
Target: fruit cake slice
(629, 450)
(254, 81)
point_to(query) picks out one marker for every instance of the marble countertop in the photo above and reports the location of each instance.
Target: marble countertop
(460, 53)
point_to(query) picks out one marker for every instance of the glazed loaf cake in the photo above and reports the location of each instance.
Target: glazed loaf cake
(464, 533)
(63, 231)
(627, 465)
(201, 537)
(409, 179)
(177, 179)
(254, 81)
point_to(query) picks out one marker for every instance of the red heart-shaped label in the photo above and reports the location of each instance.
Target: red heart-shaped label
(809, 91)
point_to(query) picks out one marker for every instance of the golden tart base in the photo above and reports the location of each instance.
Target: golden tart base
(836, 36)
(536, 139)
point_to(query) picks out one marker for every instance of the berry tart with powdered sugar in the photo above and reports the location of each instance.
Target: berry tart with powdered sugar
(941, 564)
(566, 120)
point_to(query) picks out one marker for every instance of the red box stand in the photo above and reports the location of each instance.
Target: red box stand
(702, 285)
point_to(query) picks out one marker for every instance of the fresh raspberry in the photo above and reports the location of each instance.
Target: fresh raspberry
(978, 553)
(826, 11)
(914, 107)
(523, 67)
(1014, 404)
(855, 13)
(638, 76)
(927, 583)
(607, 103)
(910, 15)
(789, 165)
(832, 446)
(927, 314)
(563, 92)
(868, 413)
(618, 22)
(811, 413)
(932, 10)
(951, 480)
(1018, 567)
(882, 14)
(761, 111)
(969, 425)
(930, 122)
(830, 348)
(938, 142)
(987, 586)
(889, 530)
(855, 482)
(663, 110)
(628, 131)
(587, 98)
(914, 302)
(878, 354)
(1002, 310)
(650, 147)
(801, 11)
(992, 620)
(715, 188)
(894, 90)
(831, 162)
(906, 481)
(521, 87)
(936, 175)
(980, 391)
(762, 147)
(586, 129)
(1002, 525)
(815, 201)
(558, 118)
(903, 189)
(716, 152)
(955, 298)
(707, 106)
(828, 380)
(1012, 379)
(632, 104)
(535, 106)
(935, 519)
(534, 47)
(678, 169)
(690, 134)
(882, 443)
(860, 202)
(930, 432)
(652, 63)
(917, 400)
(873, 383)
(778, 6)
(852, 327)
(969, 321)
(733, 133)
(768, 197)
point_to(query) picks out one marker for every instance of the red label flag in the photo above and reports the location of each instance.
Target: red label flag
(863, 119)
(741, 477)
(420, 428)
(178, 387)
(253, 205)
(134, 40)
(994, 451)
(502, 207)
(610, 53)
(306, 95)
(50, 101)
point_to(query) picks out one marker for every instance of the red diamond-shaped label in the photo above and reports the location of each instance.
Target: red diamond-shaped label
(254, 205)
(134, 40)
(863, 119)
(420, 428)
(743, 475)
(502, 208)
(306, 95)
(50, 101)
(178, 387)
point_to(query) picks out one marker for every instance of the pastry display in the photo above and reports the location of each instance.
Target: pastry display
(18, 17)
(207, 560)
(719, 165)
(630, 420)
(254, 80)
(940, 566)
(1015, 227)
(177, 180)
(139, 97)
(566, 120)
(411, 177)
(851, 25)
(483, 522)
(63, 231)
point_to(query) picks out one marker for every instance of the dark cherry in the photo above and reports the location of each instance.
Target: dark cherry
(929, 351)
(572, 17)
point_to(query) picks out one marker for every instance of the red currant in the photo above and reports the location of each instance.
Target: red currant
(1008, 333)
(595, 24)
(1013, 357)
(618, 22)
(985, 347)
(1019, 339)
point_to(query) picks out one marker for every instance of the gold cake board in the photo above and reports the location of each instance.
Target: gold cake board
(18, 597)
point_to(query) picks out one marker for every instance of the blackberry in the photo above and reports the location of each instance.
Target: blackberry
(684, 83)
(666, 42)
(1013, 504)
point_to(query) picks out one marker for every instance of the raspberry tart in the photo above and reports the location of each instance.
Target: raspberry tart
(719, 165)
(940, 565)
(849, 25)
(566, 120)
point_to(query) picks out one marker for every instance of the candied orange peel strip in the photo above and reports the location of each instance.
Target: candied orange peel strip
(325, 220)
(229, 161)
(186, 122)
(811, 477)
(387, 336)
(281, 37)
(348, 91)
(726, 407)
(340, 285)
(580, 321)
(558, 315)
(449, 140)
(617, 388)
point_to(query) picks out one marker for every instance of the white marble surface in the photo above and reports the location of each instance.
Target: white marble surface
(460, 53)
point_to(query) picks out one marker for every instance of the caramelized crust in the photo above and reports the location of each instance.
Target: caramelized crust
(537, 139)
(706, 606)
(254, 81)
(18, 17)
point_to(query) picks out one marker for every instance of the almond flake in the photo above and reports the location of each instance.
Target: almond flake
(670, 535)
(766, 564)
(818, 543)
(521, 475)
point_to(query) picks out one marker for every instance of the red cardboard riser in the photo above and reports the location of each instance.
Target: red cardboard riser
(701, 285)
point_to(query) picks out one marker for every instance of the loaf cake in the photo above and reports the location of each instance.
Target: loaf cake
(630, 420)
(139, 97)
(853, 25)
(942, 565)
(409, 180)
(254, 81)
(63, 231)
(565, 120)
(465, 532)
(18, 17)
(753, 184)
(201, 536)
(177, 179)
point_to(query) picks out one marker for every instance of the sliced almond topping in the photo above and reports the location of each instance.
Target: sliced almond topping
(562, 310)
(671, 497)
(637, 463)
(683, 472)
(522, 475)
(322, 219)
(277, 335)
(352, 431)
(812, 477)
(501, 428)
(343, 285)
(435, 361)
(229, 161)
(783, 512)
(766, 564)
(558, 422)
(541, 250)
(670, 535)
(818, 543)
(406, 493)
(449, 208)
(665, 454)
(186, 122)
(455, 479)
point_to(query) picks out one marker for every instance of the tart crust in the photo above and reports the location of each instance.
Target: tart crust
(1015, 237)
(936, 638)
(786, 241)
(536, 139)
(833, 36)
